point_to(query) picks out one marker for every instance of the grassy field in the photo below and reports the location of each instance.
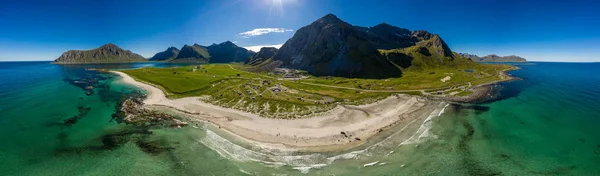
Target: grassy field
(271, 96)
(417, 80)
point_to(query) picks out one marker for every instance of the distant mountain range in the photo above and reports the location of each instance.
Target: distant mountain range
(108, 53)
(216, 53)
(326, 47)
(494, 58)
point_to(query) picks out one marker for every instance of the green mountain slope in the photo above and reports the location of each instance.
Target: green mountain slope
(167, 55)
(108, 53)
(192, 54)
(228, 52)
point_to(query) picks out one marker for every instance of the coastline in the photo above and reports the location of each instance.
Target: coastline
(344, 127)
(481, 92)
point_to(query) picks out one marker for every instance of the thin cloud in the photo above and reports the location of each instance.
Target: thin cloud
(257, 48)
(262, 31)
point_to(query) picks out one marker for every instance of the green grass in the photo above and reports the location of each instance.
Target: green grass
(252, 92)
(417, 80)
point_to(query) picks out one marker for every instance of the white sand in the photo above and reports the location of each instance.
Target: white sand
(322, 131)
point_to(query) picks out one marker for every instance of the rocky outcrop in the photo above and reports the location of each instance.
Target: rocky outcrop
(167, 55)
(228, 52)
(332, 47)
(192, 54)
(133, 112)
(108, 53)
(385, 36)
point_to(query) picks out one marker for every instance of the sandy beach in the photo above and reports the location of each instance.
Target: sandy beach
(343, 127)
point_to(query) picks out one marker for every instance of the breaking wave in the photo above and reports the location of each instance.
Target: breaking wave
(305, 162)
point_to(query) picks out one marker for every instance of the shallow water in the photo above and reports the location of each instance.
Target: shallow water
(545, 124)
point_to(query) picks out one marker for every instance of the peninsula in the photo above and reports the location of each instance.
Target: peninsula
(321, 98)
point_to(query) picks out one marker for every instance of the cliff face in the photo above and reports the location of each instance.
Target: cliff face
(167, 55)
(108, 53)
(332, 47)
(228, 52)
(192, 54)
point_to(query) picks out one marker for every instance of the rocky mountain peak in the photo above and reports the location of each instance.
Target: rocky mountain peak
(192, 54)
(330, 46)
(167, 55)
(227, 51)
(422, 34)
(228, 43)
(108, 53)
(109, 45)
(329, 18)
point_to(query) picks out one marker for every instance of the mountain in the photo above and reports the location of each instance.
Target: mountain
(167, 55)
(228, 52)
(417, 50)
(332, 47)
(108, 53)
(192, 54)
(385, 36)
(494, 58)
(473, 57)
(264, 55)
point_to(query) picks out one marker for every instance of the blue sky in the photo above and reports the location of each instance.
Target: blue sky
(537, 30)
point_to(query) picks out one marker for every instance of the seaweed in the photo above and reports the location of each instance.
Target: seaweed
(152, 147)
(477, 108)
(471, 165)
(82, 111)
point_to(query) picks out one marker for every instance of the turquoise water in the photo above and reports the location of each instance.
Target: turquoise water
(545, 124)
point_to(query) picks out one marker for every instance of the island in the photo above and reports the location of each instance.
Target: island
(108, 53)
(494, 58)
(332, 86)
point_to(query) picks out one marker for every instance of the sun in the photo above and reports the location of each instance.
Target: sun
(276, 7)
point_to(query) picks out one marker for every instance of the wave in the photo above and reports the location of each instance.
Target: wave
(423, 133)
(305, 162)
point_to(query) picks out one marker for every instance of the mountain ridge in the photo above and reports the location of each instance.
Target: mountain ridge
(494, 58)
(107, 53)
(227, 51)
(192, 54)
(332, 47)
(167, 55)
